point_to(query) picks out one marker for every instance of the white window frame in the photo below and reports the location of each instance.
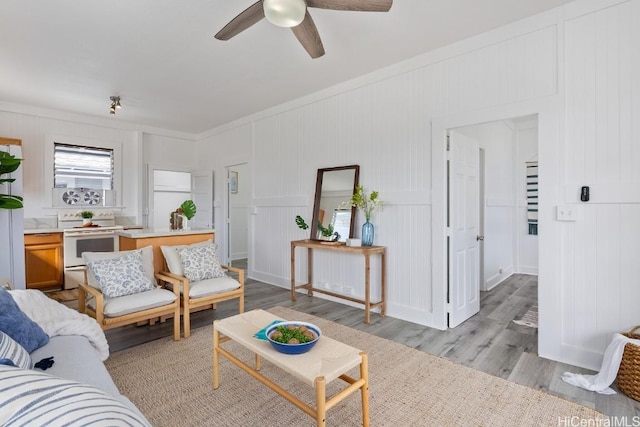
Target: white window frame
(89, 142)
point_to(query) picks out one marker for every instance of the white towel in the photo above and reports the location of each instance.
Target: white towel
(608, 371)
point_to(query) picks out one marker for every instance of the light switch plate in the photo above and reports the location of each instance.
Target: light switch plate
(567, 213)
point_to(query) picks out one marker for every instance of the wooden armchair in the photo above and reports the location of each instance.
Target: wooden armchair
(134, 307)
(204, 293)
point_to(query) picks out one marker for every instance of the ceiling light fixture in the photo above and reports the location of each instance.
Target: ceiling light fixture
(115, 103)
(285, 13)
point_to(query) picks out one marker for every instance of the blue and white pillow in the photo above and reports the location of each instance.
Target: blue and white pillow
(12, 353)
(200, 262)
(33, 398)
(124, 275)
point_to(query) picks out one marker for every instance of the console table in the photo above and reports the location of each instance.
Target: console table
(366, 251)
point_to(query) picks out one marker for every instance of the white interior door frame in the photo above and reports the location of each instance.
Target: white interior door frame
(227, 211)
(549, 128)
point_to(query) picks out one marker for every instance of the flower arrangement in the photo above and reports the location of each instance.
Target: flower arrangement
(367, 204)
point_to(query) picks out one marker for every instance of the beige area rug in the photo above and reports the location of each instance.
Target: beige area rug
(171, 383)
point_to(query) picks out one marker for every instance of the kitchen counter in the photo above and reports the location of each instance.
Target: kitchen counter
(42, 230)
(161, 232)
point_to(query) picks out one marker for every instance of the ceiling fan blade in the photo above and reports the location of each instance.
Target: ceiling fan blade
(250, 16)
(357, 5)
(307, 35)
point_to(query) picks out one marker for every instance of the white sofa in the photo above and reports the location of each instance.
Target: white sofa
(78, 347)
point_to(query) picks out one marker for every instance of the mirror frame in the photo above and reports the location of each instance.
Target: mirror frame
(318, 196)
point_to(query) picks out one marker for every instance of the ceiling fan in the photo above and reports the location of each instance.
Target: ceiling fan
(294, 14)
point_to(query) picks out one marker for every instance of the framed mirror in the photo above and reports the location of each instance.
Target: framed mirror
(334, 188)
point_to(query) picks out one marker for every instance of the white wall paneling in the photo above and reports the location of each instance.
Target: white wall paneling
(602, 129)
(385, 127)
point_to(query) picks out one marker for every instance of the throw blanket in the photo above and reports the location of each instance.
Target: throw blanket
(608, 371)
(57, 319)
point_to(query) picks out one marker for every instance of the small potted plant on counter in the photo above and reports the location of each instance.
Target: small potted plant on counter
(86, 217)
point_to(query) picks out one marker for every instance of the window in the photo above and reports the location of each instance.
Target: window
(76, 166)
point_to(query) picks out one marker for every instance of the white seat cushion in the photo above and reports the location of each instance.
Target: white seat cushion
(114, 307)
(212, 286)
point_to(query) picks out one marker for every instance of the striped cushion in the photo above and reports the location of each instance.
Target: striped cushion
(11, 350)
(37, 399)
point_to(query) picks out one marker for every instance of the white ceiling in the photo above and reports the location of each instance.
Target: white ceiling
(161, 57)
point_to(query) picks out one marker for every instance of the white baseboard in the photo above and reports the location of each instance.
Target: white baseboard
(524, 269)
(496, 279)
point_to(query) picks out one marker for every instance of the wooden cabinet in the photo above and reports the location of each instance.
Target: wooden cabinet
(43, 260)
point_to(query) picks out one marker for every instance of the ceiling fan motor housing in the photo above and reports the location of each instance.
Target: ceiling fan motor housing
(284, 13)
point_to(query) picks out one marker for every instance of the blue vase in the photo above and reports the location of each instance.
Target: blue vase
(367, 234)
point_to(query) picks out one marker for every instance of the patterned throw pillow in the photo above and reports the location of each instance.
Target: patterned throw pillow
(13, 352)
(200, 262)
(122, 275)
(32, 398)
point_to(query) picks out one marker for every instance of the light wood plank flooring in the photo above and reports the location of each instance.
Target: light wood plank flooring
(489, 341)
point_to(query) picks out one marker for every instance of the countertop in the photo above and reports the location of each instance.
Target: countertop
(159, 232)
(45, 230)
(42, 230)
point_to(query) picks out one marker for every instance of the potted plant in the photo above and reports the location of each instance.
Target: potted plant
(179, 218)
(327, 233)
(9, 163)
(86, 217)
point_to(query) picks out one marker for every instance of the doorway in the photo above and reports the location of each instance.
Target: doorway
(167, 190)
(237, 224)
(488, 237)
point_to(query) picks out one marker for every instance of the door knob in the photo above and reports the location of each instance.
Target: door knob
(479, 237)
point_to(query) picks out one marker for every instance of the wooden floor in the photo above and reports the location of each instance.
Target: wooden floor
(490, 341)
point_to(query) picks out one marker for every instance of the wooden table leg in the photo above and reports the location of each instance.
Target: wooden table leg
(293, 271)
(310, 271)
(367, 288)
(383, 282)
(321, 402)
(364, 374)
(216, 356)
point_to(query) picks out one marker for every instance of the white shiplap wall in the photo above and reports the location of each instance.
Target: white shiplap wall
(600, 275)
(576, 65)
(385, 127)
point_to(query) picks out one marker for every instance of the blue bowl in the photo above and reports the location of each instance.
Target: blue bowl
(293, 348)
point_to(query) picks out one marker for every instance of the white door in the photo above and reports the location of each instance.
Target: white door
(464, 226)
(202, 193)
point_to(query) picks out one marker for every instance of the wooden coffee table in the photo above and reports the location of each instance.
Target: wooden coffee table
(327, 360)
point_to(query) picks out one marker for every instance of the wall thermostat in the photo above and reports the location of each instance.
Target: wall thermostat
(584, 194)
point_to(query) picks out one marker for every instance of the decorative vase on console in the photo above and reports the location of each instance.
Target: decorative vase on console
(367, 204)
(367, 234)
